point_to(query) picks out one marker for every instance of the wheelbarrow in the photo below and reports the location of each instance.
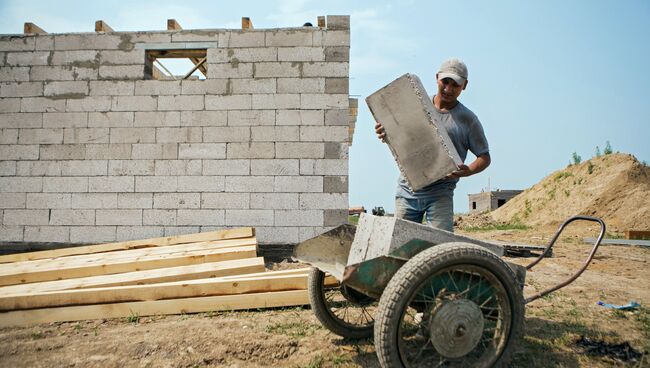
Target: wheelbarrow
(430, 297)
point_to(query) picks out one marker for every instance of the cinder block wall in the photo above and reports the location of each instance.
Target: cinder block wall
(91, 151)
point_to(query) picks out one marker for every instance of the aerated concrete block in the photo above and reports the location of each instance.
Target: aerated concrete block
(421, 146)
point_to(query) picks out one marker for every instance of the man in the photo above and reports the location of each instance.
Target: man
(466, 132)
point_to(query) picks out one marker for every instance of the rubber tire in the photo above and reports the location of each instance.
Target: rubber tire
(408, 278)
(324, 315)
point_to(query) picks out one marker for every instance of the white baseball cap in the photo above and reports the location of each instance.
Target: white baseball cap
(455, 69)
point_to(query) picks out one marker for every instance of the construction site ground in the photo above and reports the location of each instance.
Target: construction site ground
(292, 337)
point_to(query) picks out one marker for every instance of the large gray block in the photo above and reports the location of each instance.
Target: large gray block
(421, 146)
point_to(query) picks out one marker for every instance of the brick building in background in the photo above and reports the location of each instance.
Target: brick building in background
(98, 145)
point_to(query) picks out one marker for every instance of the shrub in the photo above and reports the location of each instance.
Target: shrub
(576, 158)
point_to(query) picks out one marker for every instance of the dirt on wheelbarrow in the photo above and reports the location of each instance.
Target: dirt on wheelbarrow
(293, 337)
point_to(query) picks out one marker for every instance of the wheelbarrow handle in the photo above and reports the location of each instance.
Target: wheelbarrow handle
(584, 265)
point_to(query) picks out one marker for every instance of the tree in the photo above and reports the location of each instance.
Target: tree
(608, 148)
(576, 158)
(597, 151)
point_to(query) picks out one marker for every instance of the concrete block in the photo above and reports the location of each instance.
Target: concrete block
(157, 119)
(90, 103)
(335, 150)
(65, 120)
(253, 184)
(125, 233)
(335, 184)
(227, 134)
(119, 217)
(323, 101)
(326, 69)
(276, 101)
(337, 117)
(48, 200)
(225, 200)
(38, 168)
(277, 235)
(111, 184)
(421, 146)
(159, 217)
(178, 167)
(249, 217)
(130, 167)
(337, 53)
(338, 22)
(293, 184)
(14, 74)
(47, 234)
(85, 135)
(299, 117)
(204, 87)
(324, 167)
(230, 70)
(21, 89)
(25, 217)
(66, 89)
(41, 104)
(244, 55)
(9, 136)
(330, 201)
(72, 217)
(134, 103)
(132, 135)
(298, 218)
(201, 183)
(242, 39)
(111, 88)
(7, 168)
(200, 217)
(254, 86)
(279, 69)
(335, 217)
(275, 133)
(324, 133)
(18, 43)
(88, 58)
(301, 85)
(10, 105)
(135, 200)
(299, 150)
(121, 72)
(84, 168)
(233, 102)
(44, 42)
(274, 201)
(177, 200)
(180, 135)
(226, 167)
(151, 37)
(202, 151)
(93, 200)
(110, 119)
(11, 233)
(293, 37)
(89, 41)
(337, 85)
(132, 57)
(19, 152)
(164, 151)
(156, 87)
(14, 200)
(109, 152)
(62, 72)
(250, 150)
(62, 152)
(204, 118)
(156, 184)
(195, 35)
(92, 234)
(180, 230)
(274, 167)
(301, 54)
(251, 118)
(336, 38)
(166, 103)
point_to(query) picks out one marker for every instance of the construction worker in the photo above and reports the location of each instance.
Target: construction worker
(435, 201)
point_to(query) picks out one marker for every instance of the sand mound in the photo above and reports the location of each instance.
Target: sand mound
(614, 187)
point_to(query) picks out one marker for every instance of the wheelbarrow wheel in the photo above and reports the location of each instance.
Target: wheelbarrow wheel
(342, 310)
(452, 305)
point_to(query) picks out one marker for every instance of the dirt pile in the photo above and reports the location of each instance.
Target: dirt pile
(614, 187)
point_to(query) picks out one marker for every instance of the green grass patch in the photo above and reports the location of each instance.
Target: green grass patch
(353, 219)
(562, 175)
(293, 329)
(492, 227)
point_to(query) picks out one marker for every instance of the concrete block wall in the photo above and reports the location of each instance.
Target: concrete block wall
(91, 151)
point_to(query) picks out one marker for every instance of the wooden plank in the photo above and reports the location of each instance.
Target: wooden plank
(101, 26)
(158, 307)
(177, 53)
(197, 65)
(173, 25)
(246, 23)
(637, 234)
(235, 267)
(171, 290)
(31, 28)
(128, 265)
(321, 21)
(644, 243)
(244, 232)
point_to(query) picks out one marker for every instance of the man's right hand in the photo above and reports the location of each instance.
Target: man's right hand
(381, 133)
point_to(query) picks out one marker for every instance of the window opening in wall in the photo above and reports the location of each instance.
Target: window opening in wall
(176, 64)
(500, 202)
(473, 205)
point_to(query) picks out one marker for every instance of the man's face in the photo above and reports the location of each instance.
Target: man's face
(449, 90)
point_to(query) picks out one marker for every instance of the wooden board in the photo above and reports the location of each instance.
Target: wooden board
(158, 307)
(244, 232)
(180, 273)
(637, 234)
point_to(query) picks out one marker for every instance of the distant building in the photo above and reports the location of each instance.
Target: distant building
(488, 201)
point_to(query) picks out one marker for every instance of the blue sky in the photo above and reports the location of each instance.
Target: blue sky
(547, 78)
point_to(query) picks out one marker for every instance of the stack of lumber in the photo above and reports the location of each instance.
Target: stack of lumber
(192, 273)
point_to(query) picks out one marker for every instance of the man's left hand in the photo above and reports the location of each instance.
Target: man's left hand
(463, 170)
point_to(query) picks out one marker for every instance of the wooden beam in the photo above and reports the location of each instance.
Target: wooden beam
(31, 28)
(158, 307)
(48, 272)
(171, 290)
(244, 232)
(173, 25)
(637, 234)
(235, 267)
(321, 21)
(101, 26)
(246, 23)
(196, 66)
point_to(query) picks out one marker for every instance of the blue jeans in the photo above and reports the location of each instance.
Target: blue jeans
(438, 208)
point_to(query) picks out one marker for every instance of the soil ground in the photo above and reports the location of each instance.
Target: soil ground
(294, 338)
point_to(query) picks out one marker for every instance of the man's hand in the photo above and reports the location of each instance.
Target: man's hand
(463, 170)
(381, 133)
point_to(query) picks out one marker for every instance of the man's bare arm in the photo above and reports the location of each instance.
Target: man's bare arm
(481, 163)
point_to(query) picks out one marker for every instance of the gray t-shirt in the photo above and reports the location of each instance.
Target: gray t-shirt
(466, 133)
